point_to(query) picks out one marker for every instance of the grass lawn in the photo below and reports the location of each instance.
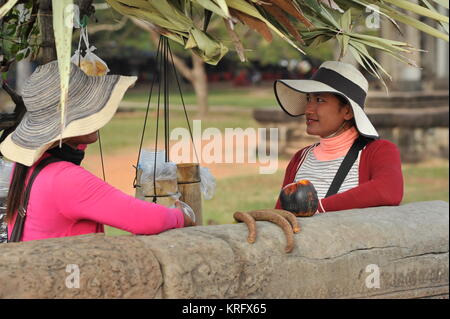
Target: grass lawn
(426, 181)
(237, 97)
(125, 129)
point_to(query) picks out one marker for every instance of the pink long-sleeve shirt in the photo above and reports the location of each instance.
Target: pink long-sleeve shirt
(67, 200)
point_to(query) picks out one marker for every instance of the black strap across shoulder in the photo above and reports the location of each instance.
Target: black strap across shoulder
(347, 164)
(17, 232)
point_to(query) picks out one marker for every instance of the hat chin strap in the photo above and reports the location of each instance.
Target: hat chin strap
(337, 131)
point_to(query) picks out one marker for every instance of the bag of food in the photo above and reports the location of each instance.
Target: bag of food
(91, 64)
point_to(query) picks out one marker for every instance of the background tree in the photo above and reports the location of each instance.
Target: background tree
(304, 24)
(28, 31)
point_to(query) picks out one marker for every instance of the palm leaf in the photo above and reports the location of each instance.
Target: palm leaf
(346, 20)
(381, 41)
(369, 63)
(376, 10)
(170, 16)
(253, 23)
(278, 14)
(408, 20)
(415, 8)
(213, 7)
(6, 7)
(207, 48)
(291, 8)
(388, 50)
(343, 40)
(316, 22)
(63, 26)
(247, 8)
(333, 5)
(443, 3)
(236, 40)
(223, 5)
(420, 26)
(443, 25)
(150, 15)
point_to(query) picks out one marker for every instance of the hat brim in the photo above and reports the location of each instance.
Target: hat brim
(291, 96)
(83, 126)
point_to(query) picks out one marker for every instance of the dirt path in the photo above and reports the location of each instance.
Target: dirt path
(120, 173)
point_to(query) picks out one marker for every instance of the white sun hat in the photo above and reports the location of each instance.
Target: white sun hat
(332, 77)
(92, 102)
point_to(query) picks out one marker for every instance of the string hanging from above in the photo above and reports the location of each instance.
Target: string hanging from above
(92, 65)
(164, 66)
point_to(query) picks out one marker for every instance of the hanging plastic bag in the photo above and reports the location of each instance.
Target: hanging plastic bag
(76, 58)
(6, 168)
(157, 173)
(163, 170)
(91, 64)
(208, 183)
(187, 210)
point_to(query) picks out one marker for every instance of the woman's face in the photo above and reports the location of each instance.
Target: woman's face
(325, 114)
(84, 139)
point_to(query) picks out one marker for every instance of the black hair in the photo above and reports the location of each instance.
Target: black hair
(343, 102)
(16, 190)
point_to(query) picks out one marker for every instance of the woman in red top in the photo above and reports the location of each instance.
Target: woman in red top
(333, 104)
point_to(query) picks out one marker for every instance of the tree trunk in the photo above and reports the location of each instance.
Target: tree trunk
(200, 84)
(47, 53)
(86, 7)
(48, 48)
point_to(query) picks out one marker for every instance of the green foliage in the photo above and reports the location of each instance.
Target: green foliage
(304, 24)
(19, 33)
(271, 53)
(117, 42)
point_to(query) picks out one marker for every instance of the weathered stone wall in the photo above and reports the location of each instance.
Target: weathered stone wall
(408, 244)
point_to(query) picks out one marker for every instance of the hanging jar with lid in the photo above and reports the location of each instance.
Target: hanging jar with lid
(156, 179)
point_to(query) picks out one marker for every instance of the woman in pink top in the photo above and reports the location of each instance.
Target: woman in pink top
(65, 199)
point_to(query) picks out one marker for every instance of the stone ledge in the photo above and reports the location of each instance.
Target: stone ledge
(109, 267)
(380, 118)
(407, 99)
(408, 243)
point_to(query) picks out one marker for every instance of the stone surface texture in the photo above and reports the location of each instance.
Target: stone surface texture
(337, 255)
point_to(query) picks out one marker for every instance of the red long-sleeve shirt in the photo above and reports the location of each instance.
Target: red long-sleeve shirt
(380, 179)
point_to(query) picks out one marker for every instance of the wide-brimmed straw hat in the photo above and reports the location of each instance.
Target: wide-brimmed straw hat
(332, 77)
(92, 102)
